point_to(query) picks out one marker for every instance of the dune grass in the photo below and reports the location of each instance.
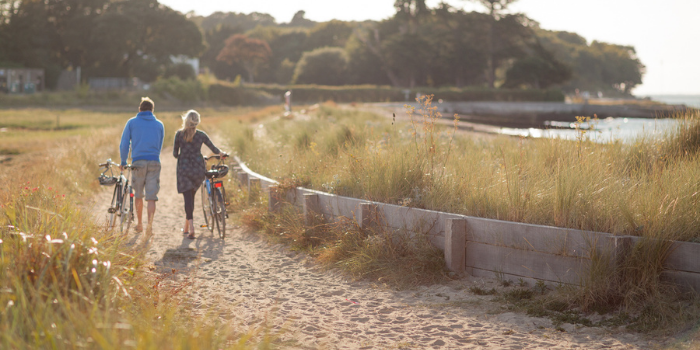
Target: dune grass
(65, 282)
(648, 188)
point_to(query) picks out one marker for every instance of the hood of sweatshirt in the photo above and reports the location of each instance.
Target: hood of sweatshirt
(146, 115)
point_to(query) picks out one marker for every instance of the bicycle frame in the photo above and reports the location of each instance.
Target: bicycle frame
(123, 192)
(213, 197)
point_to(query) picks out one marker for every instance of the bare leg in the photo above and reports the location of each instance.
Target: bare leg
(190, 224)
(151, 212)
(186, 228)
(138, 203)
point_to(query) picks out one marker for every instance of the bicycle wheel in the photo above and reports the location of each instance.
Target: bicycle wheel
(126, 211)
(206, 208)
(220, 213)
(113, 207)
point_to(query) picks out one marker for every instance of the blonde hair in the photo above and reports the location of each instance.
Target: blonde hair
(190, 120)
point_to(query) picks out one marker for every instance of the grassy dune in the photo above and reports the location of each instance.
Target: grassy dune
(648, 188)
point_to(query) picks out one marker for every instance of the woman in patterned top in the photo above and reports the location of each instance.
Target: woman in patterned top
(191, 167)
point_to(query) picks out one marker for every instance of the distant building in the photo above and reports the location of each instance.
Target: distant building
(115, 84)
(21, 80)
(194, 62)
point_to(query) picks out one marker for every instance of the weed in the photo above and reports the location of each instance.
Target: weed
(517, 295)
(481, 291)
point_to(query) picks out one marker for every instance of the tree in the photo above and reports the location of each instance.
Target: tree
(323, 66)
(495, 10)
(538, 71)
(300, 21)
(140, 35)
(332, 33)
(459, 47)
(183, 71)
(251, 53)
(215, 39)
(596, 67)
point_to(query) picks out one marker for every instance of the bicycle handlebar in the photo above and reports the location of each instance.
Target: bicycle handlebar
(217, 156)
(110, 163)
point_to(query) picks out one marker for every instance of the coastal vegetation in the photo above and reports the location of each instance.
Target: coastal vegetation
(65, 281)
(647, 188)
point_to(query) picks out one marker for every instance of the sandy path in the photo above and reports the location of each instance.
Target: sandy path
(252, 283)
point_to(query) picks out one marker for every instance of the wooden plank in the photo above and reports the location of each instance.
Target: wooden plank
(311, 208)
(546, 239)
(332, 205)
(531, 282)
(684, 256)
(688, 281)
(524, 263)
(455, 241)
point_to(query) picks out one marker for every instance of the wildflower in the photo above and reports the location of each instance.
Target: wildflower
(35, 189)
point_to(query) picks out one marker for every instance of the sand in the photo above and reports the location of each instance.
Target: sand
(252, 283)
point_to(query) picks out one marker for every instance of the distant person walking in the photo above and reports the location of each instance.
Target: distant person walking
(144, 135)
(191, 168)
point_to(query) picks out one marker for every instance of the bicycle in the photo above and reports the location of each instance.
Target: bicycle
(214, 196)
(122, 204)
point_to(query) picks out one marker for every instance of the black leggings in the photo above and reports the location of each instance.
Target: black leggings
(189, 203)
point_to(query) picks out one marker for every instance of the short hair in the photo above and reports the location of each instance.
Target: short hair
(146, 104)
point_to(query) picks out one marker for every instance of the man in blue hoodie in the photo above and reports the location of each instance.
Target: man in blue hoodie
(144, 135)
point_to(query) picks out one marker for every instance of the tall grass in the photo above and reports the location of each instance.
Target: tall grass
(648, 188)
(644, 189)
(398, 259)
(67, 283)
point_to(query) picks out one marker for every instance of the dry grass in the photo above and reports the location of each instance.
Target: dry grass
(64, 281)
(398, 259)
(648, 188)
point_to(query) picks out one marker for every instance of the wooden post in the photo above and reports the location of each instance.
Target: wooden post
(243, 178)
(368, 215)
(311, 208)
(253, 189)
(274, 199)
(455, 244)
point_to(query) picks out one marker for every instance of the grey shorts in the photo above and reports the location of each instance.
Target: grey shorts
(146, 176)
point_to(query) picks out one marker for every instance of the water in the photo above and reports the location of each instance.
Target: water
(688, 100)
(603, 131)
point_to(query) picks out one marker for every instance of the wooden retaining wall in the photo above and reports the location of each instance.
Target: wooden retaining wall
(486, 247)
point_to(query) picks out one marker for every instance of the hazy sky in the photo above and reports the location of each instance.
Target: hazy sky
(665, 33)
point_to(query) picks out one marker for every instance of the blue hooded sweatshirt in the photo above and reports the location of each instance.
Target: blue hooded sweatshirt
(144, 133)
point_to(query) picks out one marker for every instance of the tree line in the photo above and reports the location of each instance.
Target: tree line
(418, 46)
(106, 38)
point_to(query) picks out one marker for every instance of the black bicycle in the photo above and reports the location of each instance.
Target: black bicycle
(214, 196)
(122, 204)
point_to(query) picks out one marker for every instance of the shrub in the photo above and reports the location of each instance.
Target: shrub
(325, 66)
(182, 90)
(183, 71)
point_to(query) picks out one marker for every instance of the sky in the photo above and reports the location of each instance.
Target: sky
(665, 33)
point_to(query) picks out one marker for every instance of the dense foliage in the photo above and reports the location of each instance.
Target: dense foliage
(418, 46)
(105, 38)
(442, 46)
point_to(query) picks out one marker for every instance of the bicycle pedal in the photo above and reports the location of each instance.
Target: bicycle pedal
(112, 210)
(204, 226)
